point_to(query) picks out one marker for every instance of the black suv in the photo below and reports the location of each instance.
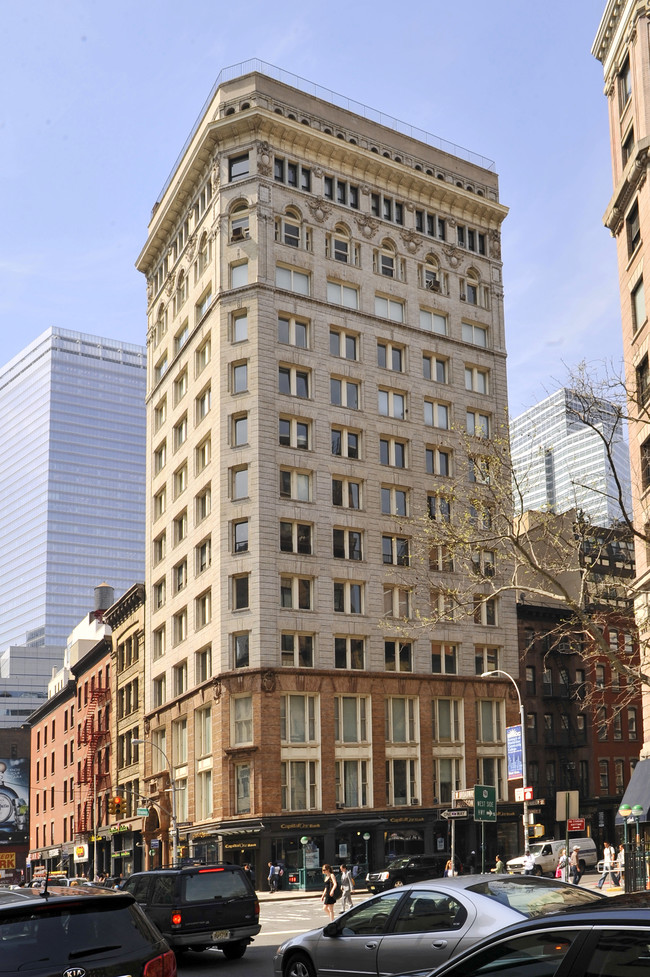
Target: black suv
(200, 906)
(409, 868)
(78, 930)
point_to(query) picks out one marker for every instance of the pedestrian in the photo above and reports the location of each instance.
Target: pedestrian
(347, 885)
(499, 866)
(574, 864)
(609, 862)
(248, 871)
(620, 864)
(331, 892)
(529, 862)
(271, 879)
(560, 871)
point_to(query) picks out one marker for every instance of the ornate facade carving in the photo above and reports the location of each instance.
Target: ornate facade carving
(268, 682)
(367, 225)
(453, 255)
(214, 175)
(319, 210)
(217, 689)
(264, 167)
(412, 241)
(495, 244)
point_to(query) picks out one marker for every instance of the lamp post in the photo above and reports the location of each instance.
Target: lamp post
(625, 812)
(366, 838)
(524, 773)
(172, 784)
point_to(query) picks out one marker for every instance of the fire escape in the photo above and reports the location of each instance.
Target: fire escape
(91, 778)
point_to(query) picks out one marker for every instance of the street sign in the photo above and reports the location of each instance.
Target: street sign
(464, 795)
(523, 793)
(567, 805)
(515, 752)
(458, 812)
(485, 803)
(576, 824)
(142, 812)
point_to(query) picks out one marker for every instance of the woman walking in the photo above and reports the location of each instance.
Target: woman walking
(347, 885)
(331, 892)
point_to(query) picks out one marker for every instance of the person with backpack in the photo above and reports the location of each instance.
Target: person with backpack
(347, 885)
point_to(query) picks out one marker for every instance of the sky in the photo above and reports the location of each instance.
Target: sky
(97, 99)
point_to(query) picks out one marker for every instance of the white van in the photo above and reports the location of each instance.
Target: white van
(547, 854)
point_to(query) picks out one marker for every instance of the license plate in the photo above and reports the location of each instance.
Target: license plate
(221, 935)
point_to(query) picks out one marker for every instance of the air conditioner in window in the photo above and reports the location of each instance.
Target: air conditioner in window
(415, 801)
(433, 284)
(238, 234)
(462, 297)
(340, 804)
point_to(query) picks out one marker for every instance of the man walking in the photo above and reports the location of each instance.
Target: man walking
(609, 858)
(347, 885)
(574, 864)
(529, 862)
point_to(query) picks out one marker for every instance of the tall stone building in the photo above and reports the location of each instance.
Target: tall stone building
(326, 361)
(622, 44)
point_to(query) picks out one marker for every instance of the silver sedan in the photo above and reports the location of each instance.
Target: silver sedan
(422, 925)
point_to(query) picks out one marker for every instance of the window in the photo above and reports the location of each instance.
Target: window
(160, 414)
(350, 719)
(390, 357)
(241, 649)
(293, 332)
(180, 432)
(297, 650)
(627, 146)
(180, 527)
(632, 723)
(346, 194)
(477, 335)
(349, 652)
(398, 656)
(488, 721)
(344, 344)
(433, 322)
(299, 789)
(339, 246)
(238, 274)
(397, 601)
(239, 430)
(394, 501)
(180, 386)
(179, 677)
(471, 239)
(293, 174)
(645, 464)
(344, 393)
(392, 452)
(351, 783)
(441, 559)
(203, 795)
(202, 610)
(159, 693)
(296, 593)
(446, 720)
(238, 166)
(386, 208)
(202, 454)
(436, 414)
(239, 331)
(603, 773)
(638, 305)
(159, 503)
(485, 659)
(159, 642)
(203, 665)
(348, 597)
(427, 223)
(240, 536)
(239, 230)
(296, 537)
(624, 85)
(484, 562)
(391, 403)
(438, 461)
(292, 279)
(477, 424)
(293, 381)
(345, 442)
(401, 782)
(435, 368)
(345, 295)
(239, 483)
(240, 591)
(439, 508)
(242, 719)
(203, 403)
(444, 659)
(478, 470)
(203, 732)
(179, 576)
(242, 788)
(159, 594)
(346, 493)
(160, 368)
(476, 380)
(298, 719)
(203, 304)
(289, 230)
(485, 610)
(390, 308)
(387, 263)
(395, 550)
(203, 257)
(179, 626)
(401, 720)
(203, 555)
(294, 433)
(239, 377)
(633, 228)
(160, 457)
(295, 485)
(159, 547)
(347, 544)
(447, 778)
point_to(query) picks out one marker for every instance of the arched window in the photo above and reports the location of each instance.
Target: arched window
(386, 260)
(289, 229)
(431, 280)
(339, 245)
(239, 230)
(181, 292)
(471, 287)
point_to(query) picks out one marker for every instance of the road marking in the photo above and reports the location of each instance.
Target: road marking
(280, 932)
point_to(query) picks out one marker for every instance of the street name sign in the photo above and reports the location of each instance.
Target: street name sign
(459, 812)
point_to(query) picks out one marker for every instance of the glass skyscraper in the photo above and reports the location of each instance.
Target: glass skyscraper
(561, 463)
(72, 481)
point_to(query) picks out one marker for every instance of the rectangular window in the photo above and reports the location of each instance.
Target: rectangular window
(240, 536)
(488, 721)
(296, 593)
(203, 665)
(344, 393)
(295, 485)
(444, 659)
(392, 452)
(345, 442)
(395, 550)
(203, 555)
(446, 720)
(349, 652)
(394, 501)
(242, 720)
(238, 166)
(293, 381)
(239, 483)
(159, 693)
(346, 493)
(296, 537)
(347, 544)
(202, 404)
(351, 783)
(239, 274)
(435, 368)
(239, 327)
(294, 433)
(240, 591)
(293, 332)
(477, 424)
(299, 789)
(292, 279)
(397, 602)
(242, 788)
(391, 403)
(433, 322)
(350, 719)
(298, 718)
(390, 357)
(241, 649)
(476, 335)
(638, 305)
(390, 309)
(437, 414)
(345, 295)
(438, 461)
(343, 344)
(297, 650)
(398, 656)
(348, 597)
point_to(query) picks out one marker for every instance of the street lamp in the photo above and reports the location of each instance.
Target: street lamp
(366, 838)
(172, 783)
(524, 774)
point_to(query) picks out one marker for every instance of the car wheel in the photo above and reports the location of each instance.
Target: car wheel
(299, 966)
(233, 951)
(398, 882)
(538, 871)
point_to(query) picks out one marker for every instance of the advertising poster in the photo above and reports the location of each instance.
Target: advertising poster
(515, 753)
(14, 801)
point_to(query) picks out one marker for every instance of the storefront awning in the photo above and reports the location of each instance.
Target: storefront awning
(361, 822)
(638, 791)
(249, 829)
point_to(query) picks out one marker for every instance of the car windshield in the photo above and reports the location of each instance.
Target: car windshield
(398, 863)
(534, 898)
(61, 936)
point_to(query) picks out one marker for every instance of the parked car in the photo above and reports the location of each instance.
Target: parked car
(547, 853)
(423, 924)
(200, 906)
(610, 938)
(410, 868)
(78, 931)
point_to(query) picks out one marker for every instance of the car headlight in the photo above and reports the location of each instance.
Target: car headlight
(383, 876)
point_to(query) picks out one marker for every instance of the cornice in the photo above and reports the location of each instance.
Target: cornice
(633, 178)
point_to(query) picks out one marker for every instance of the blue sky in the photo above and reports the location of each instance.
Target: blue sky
(97, 100)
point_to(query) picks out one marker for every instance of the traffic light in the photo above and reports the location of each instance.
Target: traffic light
(119, 806)
(111, 805)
